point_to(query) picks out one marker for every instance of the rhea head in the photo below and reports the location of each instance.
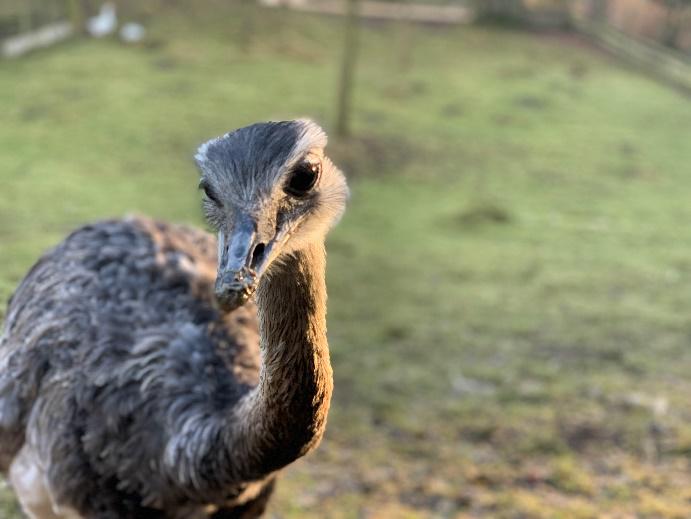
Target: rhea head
(269, 191)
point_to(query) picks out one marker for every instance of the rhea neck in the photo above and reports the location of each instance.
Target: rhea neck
(285, 415)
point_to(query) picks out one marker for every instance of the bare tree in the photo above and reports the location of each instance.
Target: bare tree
(405, 43)
(348, 63)
(76, 13)
(248, 28)
(600, 11)
(26, 17)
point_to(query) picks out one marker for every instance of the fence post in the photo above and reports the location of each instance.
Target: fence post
(600, 11)
(247, 31)
(345, 86)
(25, 18)
(76, 14)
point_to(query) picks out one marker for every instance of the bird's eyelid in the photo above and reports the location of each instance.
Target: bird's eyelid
(205, 186)
(314, 154)
(314, 157)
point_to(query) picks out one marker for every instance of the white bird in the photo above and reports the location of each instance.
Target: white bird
(104, 23)
(132, 32)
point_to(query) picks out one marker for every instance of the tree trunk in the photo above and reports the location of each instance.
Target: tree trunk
(25, 20)
(405, 43)
(600, 11)
(76, 13)
(672, 27)
(349, 60)
(247, 31)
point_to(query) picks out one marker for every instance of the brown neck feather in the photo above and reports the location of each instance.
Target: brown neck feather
(285, 415)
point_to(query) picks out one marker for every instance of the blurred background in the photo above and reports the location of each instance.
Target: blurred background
(510, 296)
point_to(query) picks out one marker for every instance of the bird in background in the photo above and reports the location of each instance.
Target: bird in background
(104, 23)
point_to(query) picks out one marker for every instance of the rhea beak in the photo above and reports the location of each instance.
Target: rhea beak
(242, 259)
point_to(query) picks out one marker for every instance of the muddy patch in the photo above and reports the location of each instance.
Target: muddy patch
(516, 72)
(407, 89)
(581, 433)
(35, 112)
(165, 63)
(627, 149)
(578, 71)
(452, 110)
(373, 155)
(488, 213)
(531, 102)
(503, 119)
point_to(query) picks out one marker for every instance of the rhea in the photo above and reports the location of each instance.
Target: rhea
(150, 371)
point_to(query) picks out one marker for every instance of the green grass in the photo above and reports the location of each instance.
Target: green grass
(509, 290)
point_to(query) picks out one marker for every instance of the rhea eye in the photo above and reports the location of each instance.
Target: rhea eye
(209, 193)
(303, 178)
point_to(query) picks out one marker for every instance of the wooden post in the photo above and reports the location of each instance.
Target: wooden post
(600, 11)
(348, 62)
(405, 40)
(76, 14)
(25, 18)
(53, 10)
(246, 32)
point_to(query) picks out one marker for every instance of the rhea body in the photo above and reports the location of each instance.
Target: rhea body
(148, 370)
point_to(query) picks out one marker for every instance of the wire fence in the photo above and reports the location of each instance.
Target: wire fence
(661, 25)
(664, 22)
(22, 16)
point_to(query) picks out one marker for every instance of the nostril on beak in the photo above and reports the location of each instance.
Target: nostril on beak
(257, 255)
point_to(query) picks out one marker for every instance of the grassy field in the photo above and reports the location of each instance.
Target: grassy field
(509, 292)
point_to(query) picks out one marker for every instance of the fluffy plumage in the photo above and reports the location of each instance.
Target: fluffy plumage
(127, 387)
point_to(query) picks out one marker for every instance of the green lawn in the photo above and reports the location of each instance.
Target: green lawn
(510, 296)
